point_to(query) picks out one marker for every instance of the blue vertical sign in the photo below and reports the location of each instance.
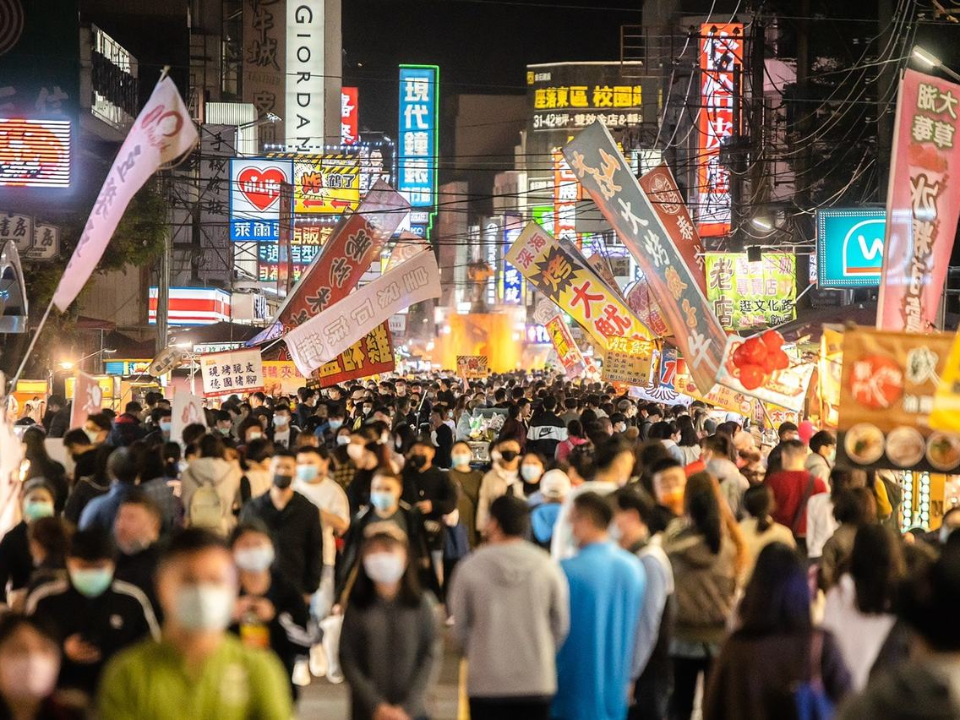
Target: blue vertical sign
(417, 166)
(511, 281)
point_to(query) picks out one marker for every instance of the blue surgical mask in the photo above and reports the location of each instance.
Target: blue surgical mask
(335, 425)
(36, 509)
(382, 501)
(307, 473)
(165, 426)
(91, 582)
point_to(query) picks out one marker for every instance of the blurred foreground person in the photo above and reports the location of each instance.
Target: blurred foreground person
(29, 664)
(196, 670)
(775, 649)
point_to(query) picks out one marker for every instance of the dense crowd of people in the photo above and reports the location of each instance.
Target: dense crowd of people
(591, 557)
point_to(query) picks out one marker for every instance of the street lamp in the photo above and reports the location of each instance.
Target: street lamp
(70, 364)
(930, 60)
(762, 223)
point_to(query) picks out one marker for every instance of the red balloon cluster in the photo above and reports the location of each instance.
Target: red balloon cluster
(759, 357)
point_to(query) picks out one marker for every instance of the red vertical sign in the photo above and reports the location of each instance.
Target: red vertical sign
(566, 193)
(923, 200)
(349, 115)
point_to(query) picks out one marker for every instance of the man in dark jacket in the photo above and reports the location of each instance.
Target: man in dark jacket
(546, 430)
(137, 532)
(127, 427)
(295, 524)
(56, 421)
(443, 437)
(95, 615)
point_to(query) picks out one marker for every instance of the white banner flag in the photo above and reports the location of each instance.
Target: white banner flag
(326, 335)
(162, 133)
(187, 410)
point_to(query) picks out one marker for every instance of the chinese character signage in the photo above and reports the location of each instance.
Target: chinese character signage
(264, 63)
(570, 356)
(645, 307)
(371, 355)
(721, 58)
(349, 115)
(324, 336)
(237, 371)
(752, 296)
(304, 74)
(255, 198)
(566, 194)
(419, 91)
(850, 247)
(887, 390)
(573, 285)
(162, 133)
(46, 243)
(18, 229)
(606, 176)
(923, 202)
(327, 184)
(571, 96)
(34, 153)
(661, 188)
(511, 281)
(472, 367)
(628, 361)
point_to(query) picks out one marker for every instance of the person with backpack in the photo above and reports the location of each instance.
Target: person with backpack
(210, 488)
(776, 659)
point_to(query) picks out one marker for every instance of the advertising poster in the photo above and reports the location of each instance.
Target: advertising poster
(325, 335)
(349, 115)
(886, 396)
(752, 296)
(606, 176)
(282, 376)
(255, 198)
(923, 201)
(264, 63)
(850, 247)
(946, 400)
(418, 149)
(664, 195)
(573, 285)
(787, 388)
(628, 361)
(472, 367)
(371, 355)
(234, 372)
(326, 185)
(645, 306)
(566, 347)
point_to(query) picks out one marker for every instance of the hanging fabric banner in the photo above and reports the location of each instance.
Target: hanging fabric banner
(163, 132)
(923, 201)
(606, 176)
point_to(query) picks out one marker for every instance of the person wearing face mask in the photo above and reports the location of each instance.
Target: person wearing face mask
(270, 613)
(249, 430)
(97, 428)
(223, 427)
(467, 481)
(82, 452)
(329, 432)
(823, 455)
(197, 669)
(442, 437)
(306, 405)
(391, 644)
(95, 615)
(531, 470)
(161, 422)
(29, 665)
(607, 587)
(295, 524)
(502, 479)
(16, 564)
(431, 492)
(284, 434)
(137, 532)
(366, 456)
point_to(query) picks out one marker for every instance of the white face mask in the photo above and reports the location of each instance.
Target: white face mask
(384, 567)
(281, 421)
(255, 559)
(343, 440)
(205, 606)
(31, 675)
(354, 451)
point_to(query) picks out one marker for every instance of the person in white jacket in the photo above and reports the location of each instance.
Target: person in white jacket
(503, 478)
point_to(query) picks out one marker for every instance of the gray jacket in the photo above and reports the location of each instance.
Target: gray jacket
(511, 613)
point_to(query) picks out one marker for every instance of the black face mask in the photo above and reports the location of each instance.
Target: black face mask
(509, 455)
(417, 461)
(282, 481)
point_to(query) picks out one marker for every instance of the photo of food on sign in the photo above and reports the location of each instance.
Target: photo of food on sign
(887, 387)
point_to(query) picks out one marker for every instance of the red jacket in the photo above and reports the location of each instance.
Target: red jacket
(789, 487)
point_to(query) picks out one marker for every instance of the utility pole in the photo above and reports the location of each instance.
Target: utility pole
(758, 191)
(801, 181)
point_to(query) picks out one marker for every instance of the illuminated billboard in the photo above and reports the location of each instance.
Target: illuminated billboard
(850, 247)
(326, 184)
(571, 96)
(721, 54)
(419, 91)
(35, 153)
(752, 295)
(255, 198)
(349, 115)
(192, 306)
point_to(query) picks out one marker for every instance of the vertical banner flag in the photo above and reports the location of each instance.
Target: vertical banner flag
(645, 307)
(87, 399)
(349, 115)
(162, 133)
(606, 176)
(573, 285)
(324, 336)
(721, 58)
(570, 356)
(923, 200)
(566, 194)
(664, 195)
(187, 410)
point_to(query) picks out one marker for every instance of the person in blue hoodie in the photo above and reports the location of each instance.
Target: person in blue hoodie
(607, 587)
(545, 506)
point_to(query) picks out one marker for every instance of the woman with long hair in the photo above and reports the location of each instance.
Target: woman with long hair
(575, 438)
(390, 644)
(45, 467)
(859, 608)
(759, 528)
(775, 647)
(689, 443)
(704, 550)
(821, 523)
